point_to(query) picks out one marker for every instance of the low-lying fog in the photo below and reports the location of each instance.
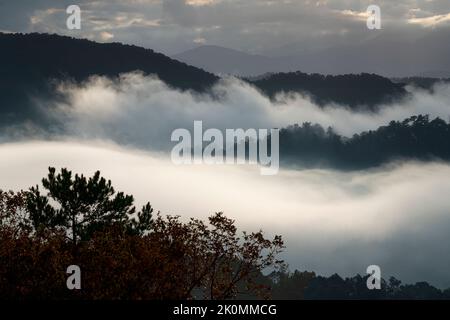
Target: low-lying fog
(397, 217)
(143, 111)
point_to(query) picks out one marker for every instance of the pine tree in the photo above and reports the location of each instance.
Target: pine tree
(82, 206)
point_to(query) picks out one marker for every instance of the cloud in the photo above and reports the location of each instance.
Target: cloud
(143, 111)
(432, 21)
(106, 36)
(199, 3)
(200, 40)
(362, 16)
(250, 25)
(397, 217)
(123, 21)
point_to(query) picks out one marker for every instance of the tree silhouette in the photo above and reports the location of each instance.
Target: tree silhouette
(174, 260)
(82, 206)
(307, 285)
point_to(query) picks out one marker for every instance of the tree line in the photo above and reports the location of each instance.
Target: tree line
(307, 285)
(358, 91)
(415, 138)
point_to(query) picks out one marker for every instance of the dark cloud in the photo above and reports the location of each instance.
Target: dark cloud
(173, 26)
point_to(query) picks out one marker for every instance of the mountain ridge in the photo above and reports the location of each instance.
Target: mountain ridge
(29, 63)
(390, 55)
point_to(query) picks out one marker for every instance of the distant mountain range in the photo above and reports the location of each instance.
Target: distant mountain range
(386, 54)
(221, 60)
(30, 62)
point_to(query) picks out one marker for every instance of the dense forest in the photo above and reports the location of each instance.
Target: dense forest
(416, 138)
(131, 255)
(307, 285)
(362, 92)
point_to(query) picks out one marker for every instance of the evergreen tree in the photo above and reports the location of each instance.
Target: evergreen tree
(82, 206)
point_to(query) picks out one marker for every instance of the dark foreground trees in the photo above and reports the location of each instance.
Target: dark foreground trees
(125, 257)
(83, 206)
(121, 255)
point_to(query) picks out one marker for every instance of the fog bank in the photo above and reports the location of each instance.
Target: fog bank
(142, 111)
(397, 217)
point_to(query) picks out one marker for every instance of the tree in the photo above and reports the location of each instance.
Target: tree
(13, 217)
(174, 260)
(177, 260)
(290, 286)
(82, 206)
(417, 138)
(84, 220)
(211, 261)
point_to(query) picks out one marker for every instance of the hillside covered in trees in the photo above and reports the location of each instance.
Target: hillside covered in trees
(415, 138)
(362, 91)
(30, 62)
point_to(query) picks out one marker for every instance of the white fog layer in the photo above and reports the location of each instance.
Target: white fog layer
(143, 111)
(397, 217)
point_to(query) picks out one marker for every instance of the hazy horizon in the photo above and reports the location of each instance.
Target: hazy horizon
(314, 36)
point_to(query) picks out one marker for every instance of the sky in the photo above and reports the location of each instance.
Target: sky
(256, 26)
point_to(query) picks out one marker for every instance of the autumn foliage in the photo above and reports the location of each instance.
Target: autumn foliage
(122, 254)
